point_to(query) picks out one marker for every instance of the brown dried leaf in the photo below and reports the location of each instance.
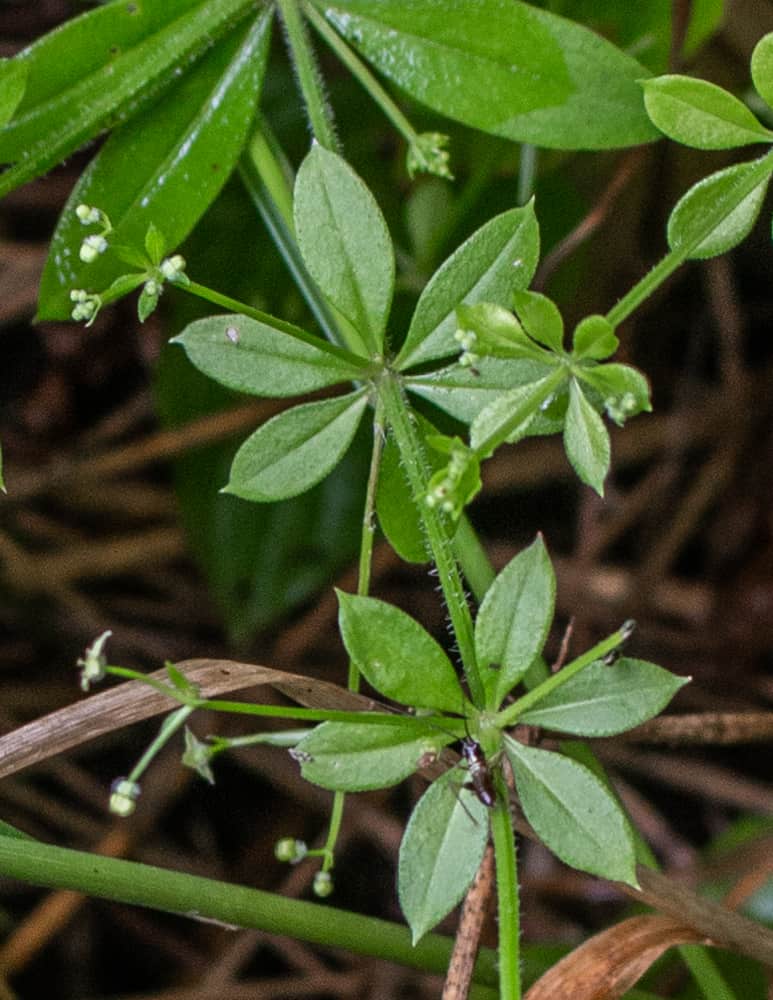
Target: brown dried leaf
(607, 966)
(133, 701)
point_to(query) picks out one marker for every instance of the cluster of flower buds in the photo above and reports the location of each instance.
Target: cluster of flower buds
(290, 851)
(123, 796)
(467, 341)
(95, 244)
(86, 305)
(428, 154)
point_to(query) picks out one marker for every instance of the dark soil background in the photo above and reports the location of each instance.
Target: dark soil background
(91, 538)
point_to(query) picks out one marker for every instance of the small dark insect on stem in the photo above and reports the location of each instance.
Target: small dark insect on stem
(480, 781)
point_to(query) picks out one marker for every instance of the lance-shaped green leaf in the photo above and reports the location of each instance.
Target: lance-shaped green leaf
(733, 197)
(573, 813)
(133, 50)
(249, 356)
(594, 338)
(509, 417)
(464, 393)
(514, 619)
(603, 700)
(296, 449)
(497, 259)
(345, 242)
(441, 851)
(762, 68)
(541, 318)
(168, 164)
(623, 389)
(509, 69)
(396, 655)
(586, 440)
(700, 114)
(13, 80)
(355, 757)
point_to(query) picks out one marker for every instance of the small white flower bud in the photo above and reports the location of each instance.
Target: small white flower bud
(92, 247)
(123, 797)
(87, 214)
(152, 287)
(289, 850)
(323, 884)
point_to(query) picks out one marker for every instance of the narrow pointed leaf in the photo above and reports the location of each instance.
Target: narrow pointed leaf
(523, 405)
(396, 655)
(345, 242)
(355, 757)
(131, 52)
(573, 813)
(250, 356)
(504, 67)
(296, 449)
(489, 266)
(731, 199)
(514, 619)
(762, 68)
(603, 701)
(700, 114)
(441, 851)
(168, 164)
(464, 394)
(586, 440)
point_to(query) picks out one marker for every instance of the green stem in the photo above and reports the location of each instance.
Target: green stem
(713, 217)
(510, 715)
(308, 75)
(234, 905)
(233, 305)
(473, 559)
(416, 467)
(360, 72)
(363, 586)
(168, 728)
(527, 172)
(507, 894)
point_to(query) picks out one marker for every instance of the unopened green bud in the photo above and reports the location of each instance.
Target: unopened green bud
(323, 884)
(123, 797)
(88, 215)
(94, 661)
(172, 267)
(92, 247)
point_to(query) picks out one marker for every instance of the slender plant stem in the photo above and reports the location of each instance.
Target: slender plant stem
(168, 728)
(360, 72)
(507, 893)
(308, 75)
(473, 558)
(234, 305)
(234, 905)
(414, 461)
(713, 217)
(527, 172)
(363, 586)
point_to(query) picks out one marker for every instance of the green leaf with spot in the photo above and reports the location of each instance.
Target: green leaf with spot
(396, 655)
(604, 701)
(296, 449)
(441, 851)
(355, 757)
(700, 114)
(514, 620)
(345, 242)
(541, 318)
(249, 356)
(573, 813)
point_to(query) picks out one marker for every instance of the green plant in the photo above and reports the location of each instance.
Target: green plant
(480, 347)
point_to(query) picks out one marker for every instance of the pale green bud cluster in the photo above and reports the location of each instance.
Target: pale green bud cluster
(123, 797)
(323, 884)
(86, 307)
(290, 851)
(467, 341)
